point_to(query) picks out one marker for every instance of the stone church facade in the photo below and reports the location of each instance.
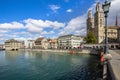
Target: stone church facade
(96, 24)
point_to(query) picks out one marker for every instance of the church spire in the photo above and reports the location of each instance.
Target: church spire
(98, 7)
(90, 14)
(116, 23)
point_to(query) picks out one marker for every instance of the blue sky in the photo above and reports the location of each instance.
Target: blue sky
(17, 10)
(30, 19)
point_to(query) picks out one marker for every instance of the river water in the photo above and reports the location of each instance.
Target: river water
(31, 65)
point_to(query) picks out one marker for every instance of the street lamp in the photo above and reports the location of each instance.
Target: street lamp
(106, 7)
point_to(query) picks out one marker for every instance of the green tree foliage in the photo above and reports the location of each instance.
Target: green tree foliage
(90, 38)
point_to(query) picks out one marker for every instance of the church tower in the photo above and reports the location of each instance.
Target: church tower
(90, 22)
(99, 23)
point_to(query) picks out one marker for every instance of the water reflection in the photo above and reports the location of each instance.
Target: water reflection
(29, 54)
(12, 54)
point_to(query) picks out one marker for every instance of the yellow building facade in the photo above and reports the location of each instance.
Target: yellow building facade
(13, 44)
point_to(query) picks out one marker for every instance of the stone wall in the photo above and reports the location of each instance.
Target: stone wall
(80, 51)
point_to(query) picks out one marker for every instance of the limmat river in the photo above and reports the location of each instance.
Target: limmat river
(31, 65)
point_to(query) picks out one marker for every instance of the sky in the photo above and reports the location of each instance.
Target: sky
(31, 19)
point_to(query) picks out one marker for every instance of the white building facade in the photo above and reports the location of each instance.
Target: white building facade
(30, 44)
(69, 41)
(2, 46)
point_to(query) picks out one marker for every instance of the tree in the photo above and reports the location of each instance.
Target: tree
(90, 38)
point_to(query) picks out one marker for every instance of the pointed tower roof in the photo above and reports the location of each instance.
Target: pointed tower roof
(99, 7)
(116, 22)
(90, 14)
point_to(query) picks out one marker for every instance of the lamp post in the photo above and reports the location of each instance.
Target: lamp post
(106, 7)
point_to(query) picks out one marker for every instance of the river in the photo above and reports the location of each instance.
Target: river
(34, 65)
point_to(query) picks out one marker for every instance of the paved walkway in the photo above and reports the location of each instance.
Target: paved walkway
(115, 64)
(117, 51)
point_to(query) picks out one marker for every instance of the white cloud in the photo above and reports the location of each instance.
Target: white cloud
(6, 36)
(3, 31)
(20, 39)
(12, 25)
(56, 24)
(38, 25)
(29, 28)
(21, 33)
(33, 28)
(54, 7)
(75, 25)
(3, 35)
(50, 32)
(69, 10)
(114, 11)
(7, 28)
(44, 32)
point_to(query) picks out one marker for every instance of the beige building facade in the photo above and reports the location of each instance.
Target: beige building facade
(97, 26)
(53, 43)
(41, 43)
(13, 44)
(119, 36)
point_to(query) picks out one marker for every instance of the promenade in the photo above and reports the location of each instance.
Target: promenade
(114, 65)
(79, 51)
